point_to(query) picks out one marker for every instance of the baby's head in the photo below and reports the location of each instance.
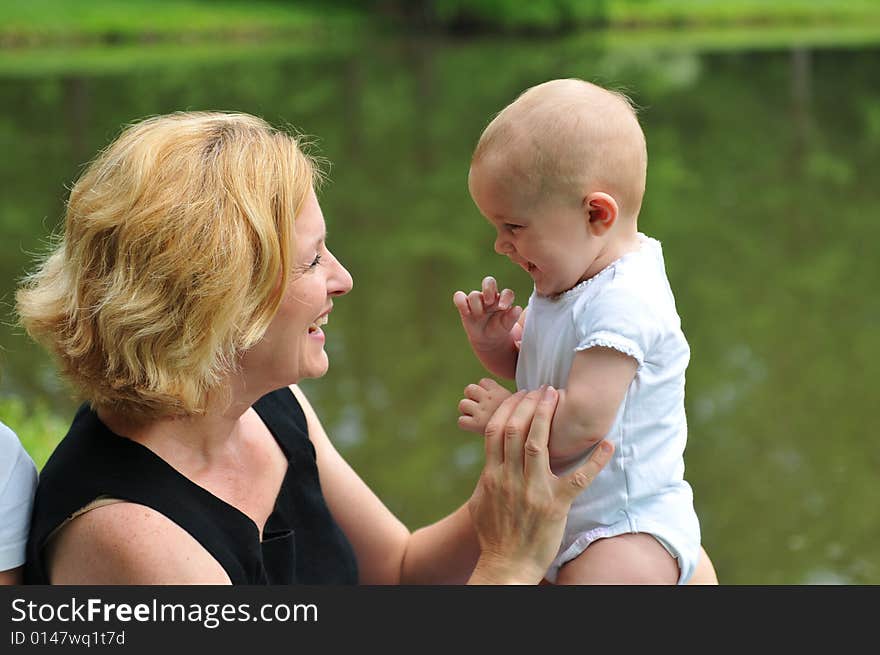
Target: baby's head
(560, 173)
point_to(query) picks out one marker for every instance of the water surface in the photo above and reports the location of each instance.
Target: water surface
(762, 187)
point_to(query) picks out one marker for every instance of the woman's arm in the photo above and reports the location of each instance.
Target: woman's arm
(444, 552)
(125, 543)
(507, 533)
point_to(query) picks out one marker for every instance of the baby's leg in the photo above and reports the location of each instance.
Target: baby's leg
(625, 559)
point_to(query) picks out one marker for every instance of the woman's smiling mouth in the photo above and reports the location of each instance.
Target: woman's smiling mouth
(315, 327)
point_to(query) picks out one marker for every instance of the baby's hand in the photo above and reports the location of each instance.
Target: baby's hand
(479, 404)
(489, 318)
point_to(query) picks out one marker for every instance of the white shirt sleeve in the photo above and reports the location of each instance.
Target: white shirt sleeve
(18, 483)
(617, 318)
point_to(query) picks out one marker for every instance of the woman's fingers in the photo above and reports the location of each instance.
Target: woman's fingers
(515, 432)
(519, 506)
(582, 477)
(494, 433)
(536, 451)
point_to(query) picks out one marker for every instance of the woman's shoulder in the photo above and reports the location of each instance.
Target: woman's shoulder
(281, 403)
(129, 543)
(284, 414)
(92, 464)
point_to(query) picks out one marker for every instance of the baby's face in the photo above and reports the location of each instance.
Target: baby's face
(548, 237)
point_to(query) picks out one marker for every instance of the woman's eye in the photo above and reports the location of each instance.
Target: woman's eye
(315, 261)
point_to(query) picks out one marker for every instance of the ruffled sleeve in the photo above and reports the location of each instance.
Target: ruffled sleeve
(617, 318)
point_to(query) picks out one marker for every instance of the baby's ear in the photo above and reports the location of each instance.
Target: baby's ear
(601, 211)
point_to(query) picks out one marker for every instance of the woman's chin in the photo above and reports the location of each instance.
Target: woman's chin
(317, 369)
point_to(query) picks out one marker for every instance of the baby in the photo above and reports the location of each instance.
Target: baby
(560, 174)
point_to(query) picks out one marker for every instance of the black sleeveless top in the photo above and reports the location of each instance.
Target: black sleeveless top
(302, 544)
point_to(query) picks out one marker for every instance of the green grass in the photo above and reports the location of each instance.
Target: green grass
(40, 22)
(37, 22)
(101, 58)
(741, 38)
(740, 11)
(38, 428)
(551, 15)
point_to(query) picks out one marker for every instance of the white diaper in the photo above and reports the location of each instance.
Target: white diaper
(686, 559)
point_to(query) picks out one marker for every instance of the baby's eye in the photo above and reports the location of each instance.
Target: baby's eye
(512, 227)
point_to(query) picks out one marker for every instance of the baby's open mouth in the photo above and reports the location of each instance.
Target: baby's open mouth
(314, 327)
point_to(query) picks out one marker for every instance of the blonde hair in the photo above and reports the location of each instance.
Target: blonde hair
(567, 136)
(176, 248)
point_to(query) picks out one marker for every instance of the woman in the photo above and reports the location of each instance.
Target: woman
(184, 302)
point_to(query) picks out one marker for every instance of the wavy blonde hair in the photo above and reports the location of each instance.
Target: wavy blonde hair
(176, 247)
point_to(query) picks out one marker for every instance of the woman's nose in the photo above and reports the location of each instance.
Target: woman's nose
(340, 281)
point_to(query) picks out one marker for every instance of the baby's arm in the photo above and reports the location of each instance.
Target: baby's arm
(493, 325)
(588, 405)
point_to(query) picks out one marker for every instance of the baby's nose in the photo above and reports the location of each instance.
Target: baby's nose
(503, 246)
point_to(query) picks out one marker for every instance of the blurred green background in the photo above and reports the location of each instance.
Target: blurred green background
(763, 128)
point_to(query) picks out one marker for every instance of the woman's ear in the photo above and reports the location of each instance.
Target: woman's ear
(601, 211)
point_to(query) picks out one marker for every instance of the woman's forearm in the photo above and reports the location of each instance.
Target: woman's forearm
(444, 552)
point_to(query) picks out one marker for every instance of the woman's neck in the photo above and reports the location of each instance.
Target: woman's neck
(203, 436)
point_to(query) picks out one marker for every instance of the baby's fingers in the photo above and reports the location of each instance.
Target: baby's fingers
(467, 407)
(459, 299)
(470, 424)
(487, 384)
(475, 304)
(510, 317)
(490, 290)
(516, 331)
(505, 299)
(475, 391)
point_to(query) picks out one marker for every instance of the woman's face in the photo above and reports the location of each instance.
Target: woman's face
(293, 347)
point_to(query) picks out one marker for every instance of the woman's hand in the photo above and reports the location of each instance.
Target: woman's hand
(519, 506)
